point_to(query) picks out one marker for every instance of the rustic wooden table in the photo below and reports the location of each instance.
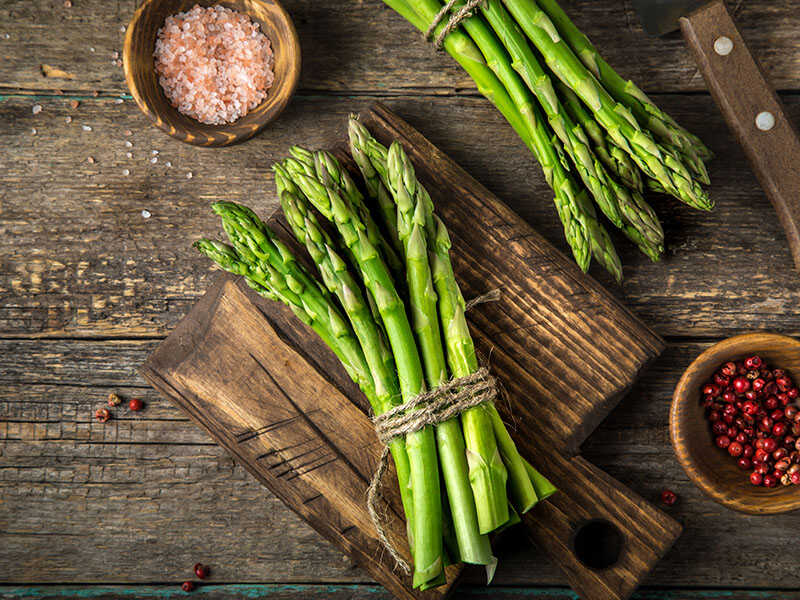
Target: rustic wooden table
(96, 268)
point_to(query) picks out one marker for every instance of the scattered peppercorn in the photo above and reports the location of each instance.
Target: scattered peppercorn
(135, 404)
(102, 414)
(202, 571)
(114, 399)
(669, 497)
(187, 586)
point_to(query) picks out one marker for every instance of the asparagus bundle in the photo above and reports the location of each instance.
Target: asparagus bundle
(396, 339)
(596, 135)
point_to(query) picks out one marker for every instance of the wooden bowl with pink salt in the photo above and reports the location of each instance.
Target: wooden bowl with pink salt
(211, 73)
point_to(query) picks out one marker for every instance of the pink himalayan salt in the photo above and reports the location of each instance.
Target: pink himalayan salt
(214, 64)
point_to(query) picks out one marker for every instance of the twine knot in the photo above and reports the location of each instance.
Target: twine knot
(465, 12)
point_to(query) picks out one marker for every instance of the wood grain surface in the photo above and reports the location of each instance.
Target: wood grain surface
(88, 287)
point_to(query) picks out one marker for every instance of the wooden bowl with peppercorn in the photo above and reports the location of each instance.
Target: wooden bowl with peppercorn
(735, 423)
(211, 72)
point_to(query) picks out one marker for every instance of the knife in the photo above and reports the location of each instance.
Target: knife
(747, 101)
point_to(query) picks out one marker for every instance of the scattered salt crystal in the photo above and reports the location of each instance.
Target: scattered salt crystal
(154, 160)
(86, 127)
(115, 55)
(129, 155)
(126, 172)
(6, 36)
(168, 163)
(67, 3)
(154, 152)
(122, 29)
(119, 101)
(90, 160)
(128, 144)
(74, 104)
(33, 130)
(118, 62)
(68, 119)
(95, 93)
(91, 49)
(210, 77)
(146, 214)
(37, 108)
(188, 175)
(128, 132)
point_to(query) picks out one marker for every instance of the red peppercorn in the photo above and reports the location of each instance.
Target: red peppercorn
(102, 414)
(713, 416)
(769, 445)
(782, 465)
(750, 408)
(752, 362)
(758, 385)
(711, 390)
(728, 419)
(771, 403)
(793, 393)
(729, 409)
(783, 398)
(756, 478)
(795, 478)
(784, 383)
(721, 380)
(741, 438)
(747, 451)
(779, 429)
(735, 449)
(762, 468)
(797, 445)
(669, 497)
(135, 404)
(202, 571)
(780, 454)
(751, 395)
(766, 424)
(770, 481)
(728, 396)
(745, 464)
(723, 441)
(760, 455)
(719, 428)
(187, 586)
(778, 373)
(790, 412)
(728, 369)
(741, 385)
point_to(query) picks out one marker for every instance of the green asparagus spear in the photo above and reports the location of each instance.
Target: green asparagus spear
(648, 114)
(654, 160)
(421, 445)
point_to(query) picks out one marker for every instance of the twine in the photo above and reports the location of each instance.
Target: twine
(428, 408)
(465, 12)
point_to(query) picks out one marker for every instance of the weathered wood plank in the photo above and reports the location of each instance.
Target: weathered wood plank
(84, 261)
(365, 46)
(152, 489)
(359, 592)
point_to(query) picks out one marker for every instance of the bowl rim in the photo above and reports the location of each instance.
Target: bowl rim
(226, 136)
(685, 458)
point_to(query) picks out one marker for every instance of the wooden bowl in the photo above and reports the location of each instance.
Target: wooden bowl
(711, 469)
(140, 74)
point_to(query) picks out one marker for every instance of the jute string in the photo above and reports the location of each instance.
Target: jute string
(465, 12)
(429, 408)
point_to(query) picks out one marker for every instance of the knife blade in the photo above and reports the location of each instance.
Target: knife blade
(659, 17)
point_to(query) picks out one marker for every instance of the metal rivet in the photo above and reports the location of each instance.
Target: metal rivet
(765, 120)
(723, 45)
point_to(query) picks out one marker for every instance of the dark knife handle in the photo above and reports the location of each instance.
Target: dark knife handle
(752, 109)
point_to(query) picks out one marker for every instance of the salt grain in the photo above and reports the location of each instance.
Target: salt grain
(68, 119)
(33, 130)
(37, 108)
(154, 160)
(122, 29)
(86, 127)
(168, 163)
(146, 214)
(6, 36)
(67, 3)
(91, 49)
(126, 172)
(214, 64)
(128, 144)
(154, 152)
(74, 104)
(129, 155)
(119, 101)
(188, 175)
(115, 55)
(128, 132)
(90, 160)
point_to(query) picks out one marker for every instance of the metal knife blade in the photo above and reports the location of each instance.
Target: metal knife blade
(661, 16)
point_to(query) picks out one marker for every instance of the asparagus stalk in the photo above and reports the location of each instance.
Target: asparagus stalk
(340, 282)
(648, 114)
(630, 214)
(571, 205)
(654, 160)
(421, 445)
(496, 57)
(612, 155)
(487, 509)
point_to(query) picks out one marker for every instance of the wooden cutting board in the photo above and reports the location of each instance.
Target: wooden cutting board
(566, 351)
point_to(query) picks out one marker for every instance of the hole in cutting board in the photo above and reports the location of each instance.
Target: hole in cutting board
(597, 543)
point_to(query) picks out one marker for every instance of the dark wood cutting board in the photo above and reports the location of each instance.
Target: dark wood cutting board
(566, 351)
